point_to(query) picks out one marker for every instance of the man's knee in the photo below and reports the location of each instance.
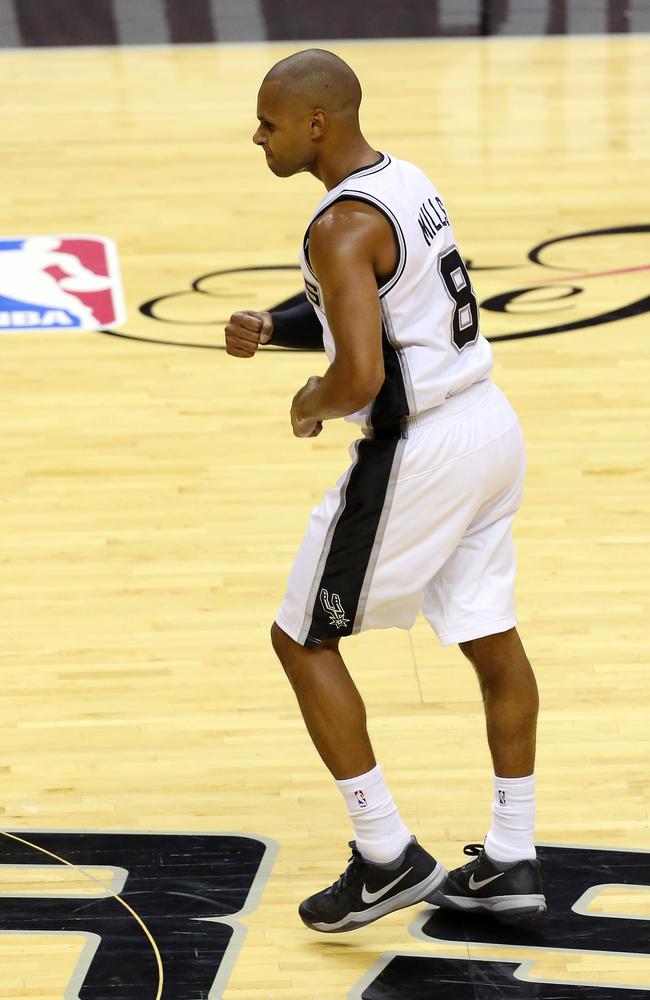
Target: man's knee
(279, 640)
(466, 649)
(492, 649)
(284, 645)
(498, 658)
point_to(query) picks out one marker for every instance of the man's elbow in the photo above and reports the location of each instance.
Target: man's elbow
(367, 387)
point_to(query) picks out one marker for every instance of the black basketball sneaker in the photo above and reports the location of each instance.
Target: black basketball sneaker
(367, 891)
(511, 892)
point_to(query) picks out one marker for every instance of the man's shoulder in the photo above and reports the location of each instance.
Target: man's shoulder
(412, 171)
(345, 214)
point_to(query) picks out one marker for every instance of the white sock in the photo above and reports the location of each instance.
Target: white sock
(379, 831)
(512, 834)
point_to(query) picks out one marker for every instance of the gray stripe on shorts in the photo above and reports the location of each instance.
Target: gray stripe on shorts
(379, 536)
(309, 609)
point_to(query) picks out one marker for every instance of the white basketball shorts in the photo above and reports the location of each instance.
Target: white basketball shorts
(423, 522)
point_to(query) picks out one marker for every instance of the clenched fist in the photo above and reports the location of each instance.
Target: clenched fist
(245, 331)
(305, 426)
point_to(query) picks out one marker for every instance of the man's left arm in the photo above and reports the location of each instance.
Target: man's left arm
(342, 250)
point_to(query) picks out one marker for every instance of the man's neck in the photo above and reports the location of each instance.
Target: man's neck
(334, 169)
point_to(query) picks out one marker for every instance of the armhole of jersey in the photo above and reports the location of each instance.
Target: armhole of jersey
(391, 280)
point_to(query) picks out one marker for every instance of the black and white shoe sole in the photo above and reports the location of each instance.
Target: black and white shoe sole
(408, 897)
(506, 908)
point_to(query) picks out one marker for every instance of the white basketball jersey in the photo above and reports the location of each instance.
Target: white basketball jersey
(430, 325)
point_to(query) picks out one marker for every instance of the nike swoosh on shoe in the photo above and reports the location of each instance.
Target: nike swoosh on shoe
(474, 885)
(371, 897)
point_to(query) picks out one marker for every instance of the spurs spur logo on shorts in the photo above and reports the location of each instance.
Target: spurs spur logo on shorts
(332, 604)
(59, 282)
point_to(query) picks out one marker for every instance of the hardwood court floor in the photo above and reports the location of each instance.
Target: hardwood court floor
(153, 496)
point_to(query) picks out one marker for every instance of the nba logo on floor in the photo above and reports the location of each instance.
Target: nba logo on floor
(59, 283)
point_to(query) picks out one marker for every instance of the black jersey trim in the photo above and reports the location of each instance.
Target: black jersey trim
(305, 248)
(390, 406)
(408, 402)
(339, 592)
(388, 283)
(372, 168)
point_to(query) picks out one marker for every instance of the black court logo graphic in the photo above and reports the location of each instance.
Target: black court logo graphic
(579, 920)
(160, 925)
(558, 294)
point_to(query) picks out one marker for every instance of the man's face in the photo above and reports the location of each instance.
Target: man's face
(283, 132)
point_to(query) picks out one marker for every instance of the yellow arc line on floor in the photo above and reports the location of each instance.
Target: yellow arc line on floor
(92, 878)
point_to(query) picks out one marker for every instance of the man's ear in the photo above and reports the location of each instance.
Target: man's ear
(318, 123)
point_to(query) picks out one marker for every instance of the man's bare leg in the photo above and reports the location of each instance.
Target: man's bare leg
(511, 703)
(504, 878)
(335, 717)
(330, 703)
(389, 869)
(510, 698)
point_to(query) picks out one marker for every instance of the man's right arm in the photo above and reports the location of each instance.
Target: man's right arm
(297, 327)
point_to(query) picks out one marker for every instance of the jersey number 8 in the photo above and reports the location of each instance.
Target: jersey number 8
(464, 325)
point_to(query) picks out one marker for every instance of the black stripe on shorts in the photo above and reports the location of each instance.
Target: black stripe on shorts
(341, 585)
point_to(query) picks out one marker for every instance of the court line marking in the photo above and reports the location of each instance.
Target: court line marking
(118, 881)
(92, 878)
(231, 920)
(417, 925)
(559, 279)
(594, 274)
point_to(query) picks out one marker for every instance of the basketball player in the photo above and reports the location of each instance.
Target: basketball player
(422, 519)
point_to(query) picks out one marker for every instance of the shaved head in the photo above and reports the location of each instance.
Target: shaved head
(308, 113)
(316, 78)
